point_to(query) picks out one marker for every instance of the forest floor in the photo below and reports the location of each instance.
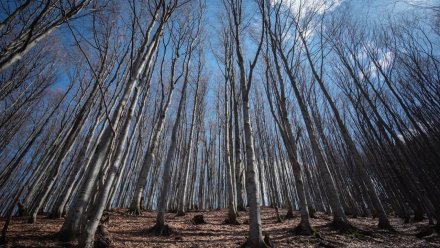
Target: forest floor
(131, 231)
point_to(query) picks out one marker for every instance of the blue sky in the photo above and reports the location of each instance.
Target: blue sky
(387, 8)
(377, 10)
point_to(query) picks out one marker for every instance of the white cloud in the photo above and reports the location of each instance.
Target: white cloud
(371, 9)
(305, 6)
(302, 8)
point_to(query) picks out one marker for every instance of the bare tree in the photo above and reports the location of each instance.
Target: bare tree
(45, 17)
(236, 15)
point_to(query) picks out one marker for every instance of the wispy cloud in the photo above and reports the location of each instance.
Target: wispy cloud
(304, 6)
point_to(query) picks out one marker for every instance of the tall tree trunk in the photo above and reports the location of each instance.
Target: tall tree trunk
(101, 200)
(238, 164)
(135, 205)
(70, 228)
(232, 214)
(182, 198)
(163, 196)
(67, 146)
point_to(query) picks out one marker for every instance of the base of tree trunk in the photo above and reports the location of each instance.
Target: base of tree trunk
(198, 220)
(263, 244)
(56, 215)
(267, 241)
(304, 230)
(160, 230)
(418, 217)
(385, 226)
(66, 236)
(289, 214)
(405, 217)
(103, 238)
(228, 221)
(342, 226)
(312, 213)
(32, 219)
(180, 213)
(22, 210)
(279, 220)
(241, 208)
(134, 211)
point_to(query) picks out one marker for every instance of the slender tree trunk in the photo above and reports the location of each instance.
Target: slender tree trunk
(232, 214)
(163, 197)
(182, 198)
(88, 238)
(70, 228)
(238, 166)
(135, 205)
(31, 37)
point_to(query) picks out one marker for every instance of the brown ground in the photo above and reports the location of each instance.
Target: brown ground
(130, 231)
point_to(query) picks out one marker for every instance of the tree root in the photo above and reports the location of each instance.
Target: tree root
(65, 236)
(22, 210)
(103, 238)
(228, 221)
(386, 227)
(32, 219)
(279, 220)
(160, 230)
(307, 230)
(267, 243)
(342, 226)
(312, 213)
(134, 211)
(289, 214)
(347, 228)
